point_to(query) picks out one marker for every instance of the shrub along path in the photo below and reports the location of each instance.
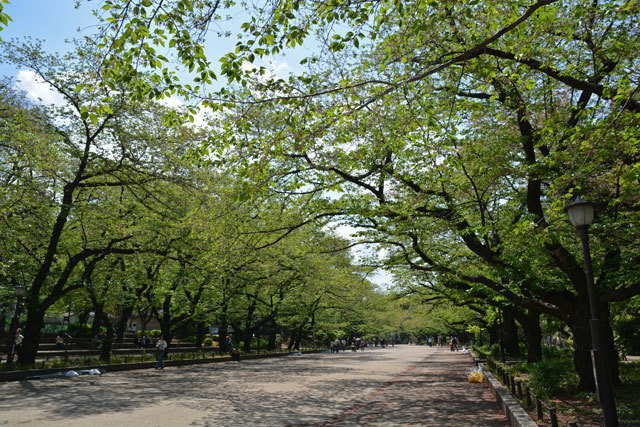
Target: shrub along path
(406, 385)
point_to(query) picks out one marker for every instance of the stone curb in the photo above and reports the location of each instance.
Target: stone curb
(516, 415)
(28, 374)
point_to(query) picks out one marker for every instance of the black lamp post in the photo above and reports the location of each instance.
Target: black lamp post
(19, 292)
(581, 216)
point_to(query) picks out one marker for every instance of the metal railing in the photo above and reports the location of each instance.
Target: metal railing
(523, 393)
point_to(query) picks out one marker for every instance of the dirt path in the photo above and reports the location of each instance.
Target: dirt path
(405, 385)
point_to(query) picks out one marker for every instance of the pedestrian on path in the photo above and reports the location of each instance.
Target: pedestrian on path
(161, 345)
(454, 343)
(332, 344)
(336, 345)
(17, 349)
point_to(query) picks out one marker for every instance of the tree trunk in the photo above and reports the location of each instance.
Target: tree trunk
(97, 323)
(582, 352)
(32, 334)
(165, 327)
(199, 334)
(107, 342)
(530, 322)
(579, 323)
(494, 334)
(3, 321)
(610, 353)
(122, 323)
(510, 333)
(291, 343)
(83, 317)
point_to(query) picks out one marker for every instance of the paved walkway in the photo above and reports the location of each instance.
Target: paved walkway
(405, 385)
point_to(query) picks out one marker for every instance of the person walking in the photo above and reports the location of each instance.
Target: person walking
(161, 345)
(332, 345)
(17, 349)
(336, 345)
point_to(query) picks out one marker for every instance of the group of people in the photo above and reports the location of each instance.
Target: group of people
(454, 343)
(337, 344)
(356, 344)
(142, 342)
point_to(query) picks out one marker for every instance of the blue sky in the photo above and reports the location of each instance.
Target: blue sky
(49, 20)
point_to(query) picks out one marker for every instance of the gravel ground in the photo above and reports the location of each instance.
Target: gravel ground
(405, 385)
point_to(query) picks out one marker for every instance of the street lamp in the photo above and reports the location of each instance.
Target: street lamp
(19, 292)
(581, 216)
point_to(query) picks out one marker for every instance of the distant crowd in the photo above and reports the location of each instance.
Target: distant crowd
(356, 344)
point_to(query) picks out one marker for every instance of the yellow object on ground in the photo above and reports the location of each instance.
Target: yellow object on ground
(476, 377)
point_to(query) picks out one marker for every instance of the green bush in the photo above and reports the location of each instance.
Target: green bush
(628, 331)
(552, 377)
(78, 330)
(630, 372)
(494, 351)
(553, 352)
(208, 342)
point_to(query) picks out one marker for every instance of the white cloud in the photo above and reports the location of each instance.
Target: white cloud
(171, 102)
(38, 89)
(346, 231)
(281, 69)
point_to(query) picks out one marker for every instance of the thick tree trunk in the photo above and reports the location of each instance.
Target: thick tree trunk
(199, 334)
(166, 328)
(122, 323)
(510, 333)
(291, 342)
(107, 342)
(582, 353)
(579, 323)
(32, 334)
(97, 323)
(83, 317)
(610, 353)
(3, 321)
(494, 334)
(246, 338)
(530, 322)
(298, 336)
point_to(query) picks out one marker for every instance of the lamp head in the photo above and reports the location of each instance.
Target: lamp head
(580, 213)
(20, 290)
